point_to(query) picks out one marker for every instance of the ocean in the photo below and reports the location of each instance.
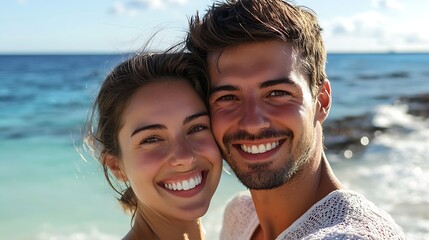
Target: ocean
(377, 139)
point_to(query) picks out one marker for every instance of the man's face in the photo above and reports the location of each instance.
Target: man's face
(263, 114)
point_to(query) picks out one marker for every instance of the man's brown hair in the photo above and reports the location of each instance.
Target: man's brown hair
(235, 22)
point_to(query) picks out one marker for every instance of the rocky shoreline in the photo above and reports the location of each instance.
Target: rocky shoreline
(352, 133)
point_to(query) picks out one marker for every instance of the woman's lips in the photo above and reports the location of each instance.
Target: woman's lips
(188, 186)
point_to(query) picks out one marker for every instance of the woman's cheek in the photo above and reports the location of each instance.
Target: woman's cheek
(152, 157)
(206, 146)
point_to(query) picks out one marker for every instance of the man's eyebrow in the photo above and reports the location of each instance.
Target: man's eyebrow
(195, 116)
(223, 88)
(265, 84)
(274, 82)
(149, 127)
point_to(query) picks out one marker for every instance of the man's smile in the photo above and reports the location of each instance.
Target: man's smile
(261, 148)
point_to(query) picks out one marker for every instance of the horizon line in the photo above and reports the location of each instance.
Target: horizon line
(132, 52)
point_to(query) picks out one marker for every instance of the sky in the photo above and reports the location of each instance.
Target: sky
(120, 26)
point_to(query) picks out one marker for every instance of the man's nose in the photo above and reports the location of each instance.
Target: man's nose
(253, 118)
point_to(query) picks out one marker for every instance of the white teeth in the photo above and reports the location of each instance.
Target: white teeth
(255, 149)
(261, 148)
(185, 184)
(192, 183)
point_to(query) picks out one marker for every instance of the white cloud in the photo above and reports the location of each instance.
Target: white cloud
(374, 30)
(368, 23)
(131, 7)
(22, 2)
(120, 9)
(154, 4)
(417, 38)
(158, 4)
(117, 9)
(387, 4)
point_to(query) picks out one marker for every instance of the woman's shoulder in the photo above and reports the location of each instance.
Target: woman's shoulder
(241, 202)
(240, 219)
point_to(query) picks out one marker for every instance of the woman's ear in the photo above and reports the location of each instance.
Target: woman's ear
(324, 101)
(113, 163)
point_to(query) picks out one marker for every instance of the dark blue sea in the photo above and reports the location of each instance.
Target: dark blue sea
(377, 136)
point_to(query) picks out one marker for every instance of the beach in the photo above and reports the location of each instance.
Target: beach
(376, 136)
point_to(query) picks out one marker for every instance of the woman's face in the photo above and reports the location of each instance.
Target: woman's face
(168, 154)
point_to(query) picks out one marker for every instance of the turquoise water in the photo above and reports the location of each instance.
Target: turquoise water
(50, 192)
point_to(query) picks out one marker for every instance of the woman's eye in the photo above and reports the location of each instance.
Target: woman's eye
(197, 128)
(151, 139)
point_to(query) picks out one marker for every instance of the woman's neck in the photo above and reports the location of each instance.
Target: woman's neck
(149, 224)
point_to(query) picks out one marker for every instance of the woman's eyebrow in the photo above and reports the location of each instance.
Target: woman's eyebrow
(148, 127)
(194, 116)
(161, 126)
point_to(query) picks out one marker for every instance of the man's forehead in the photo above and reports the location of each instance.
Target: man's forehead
(246, 57)
(249, 69)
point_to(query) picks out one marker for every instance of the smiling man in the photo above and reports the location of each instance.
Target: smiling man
(269, 98)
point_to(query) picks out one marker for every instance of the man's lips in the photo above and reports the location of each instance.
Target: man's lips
(259, 148)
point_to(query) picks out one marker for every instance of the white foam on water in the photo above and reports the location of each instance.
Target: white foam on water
(393, 171)
(391, 115)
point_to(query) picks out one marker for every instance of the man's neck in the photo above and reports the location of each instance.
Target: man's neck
(279, 208)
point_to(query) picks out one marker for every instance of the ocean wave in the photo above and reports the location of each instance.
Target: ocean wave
(353, 133)
(393, 170)
(391, 75)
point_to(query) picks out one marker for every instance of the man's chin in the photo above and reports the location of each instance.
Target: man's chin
(260, 180)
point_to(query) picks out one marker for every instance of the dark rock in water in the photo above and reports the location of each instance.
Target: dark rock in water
(381, 97)
(398, 75)
(389, 75)
(369, 77)
(418, 105)
(335, 78)
(347, 133)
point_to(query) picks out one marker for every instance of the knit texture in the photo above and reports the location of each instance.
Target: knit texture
(340, 215)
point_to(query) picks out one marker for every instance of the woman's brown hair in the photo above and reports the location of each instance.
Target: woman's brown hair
(105, 118)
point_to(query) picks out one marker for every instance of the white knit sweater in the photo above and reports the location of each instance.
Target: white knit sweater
(340, 215)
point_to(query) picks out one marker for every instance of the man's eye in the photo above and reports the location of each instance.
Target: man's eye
(227, 98)
(197, 128)
(277, 93)
(149, 140)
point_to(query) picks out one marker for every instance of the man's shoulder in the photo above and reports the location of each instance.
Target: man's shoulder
(347, 214)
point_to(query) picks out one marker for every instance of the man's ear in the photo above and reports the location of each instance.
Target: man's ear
(113, 163)
(323, 101)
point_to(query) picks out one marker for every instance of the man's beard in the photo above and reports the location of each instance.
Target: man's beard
(261, 176)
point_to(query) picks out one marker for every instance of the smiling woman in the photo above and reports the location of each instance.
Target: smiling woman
(153, 135)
